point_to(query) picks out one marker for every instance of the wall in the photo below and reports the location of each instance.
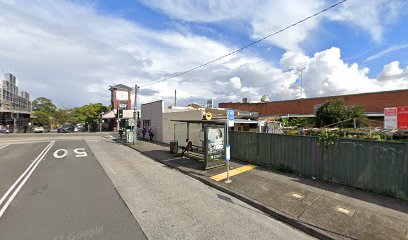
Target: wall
(154, 112)
(375, 166)
(170, 128)
(372, 102)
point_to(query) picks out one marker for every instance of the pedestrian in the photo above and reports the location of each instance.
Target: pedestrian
(143, 133)
(151, 134)
(188, 147)
(120, 133)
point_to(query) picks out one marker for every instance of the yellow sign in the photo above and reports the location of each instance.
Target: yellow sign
(208, 116)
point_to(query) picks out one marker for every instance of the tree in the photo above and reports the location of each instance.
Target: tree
(88, 113)
(335, 112)
(41, 119)
(301, 122)
(62, 116)
(44, 105)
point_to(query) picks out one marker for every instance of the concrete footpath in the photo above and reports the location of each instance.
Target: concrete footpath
(323, 209)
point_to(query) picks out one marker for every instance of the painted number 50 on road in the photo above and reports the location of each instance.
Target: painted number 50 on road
(61, 153)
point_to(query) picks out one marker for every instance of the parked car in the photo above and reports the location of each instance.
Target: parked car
(66, 128)
(39, 130)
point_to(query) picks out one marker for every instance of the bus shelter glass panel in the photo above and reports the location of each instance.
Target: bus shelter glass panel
(215, 146)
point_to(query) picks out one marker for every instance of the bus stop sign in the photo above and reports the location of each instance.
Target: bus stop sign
(230, 114)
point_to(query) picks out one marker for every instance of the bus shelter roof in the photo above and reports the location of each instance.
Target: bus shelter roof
(212, 122)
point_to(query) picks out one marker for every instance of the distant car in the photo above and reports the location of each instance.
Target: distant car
(39, 130)
(66, 128)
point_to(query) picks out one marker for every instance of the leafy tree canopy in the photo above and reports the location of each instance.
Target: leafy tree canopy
(46, 113)
(336, 111)
(88, 113)
(44, 105)
(41, 119)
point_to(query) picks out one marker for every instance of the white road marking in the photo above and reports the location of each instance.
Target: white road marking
(26, 175)
(4, 146)
(80, 152)
(24, 142)
(22, 175)
(65, 153)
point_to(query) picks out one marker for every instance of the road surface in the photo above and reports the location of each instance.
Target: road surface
(89, 187)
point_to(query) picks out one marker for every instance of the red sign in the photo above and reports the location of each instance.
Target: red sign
(402, 116)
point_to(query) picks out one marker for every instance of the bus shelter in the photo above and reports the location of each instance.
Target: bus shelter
(212, 141)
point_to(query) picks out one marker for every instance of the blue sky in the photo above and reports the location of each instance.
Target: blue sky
(356, 45)
(87, 45)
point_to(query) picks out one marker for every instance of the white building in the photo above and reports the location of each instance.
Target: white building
(155, 116)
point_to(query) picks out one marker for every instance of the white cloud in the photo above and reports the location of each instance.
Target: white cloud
(235, 83)
(386, 51)
(265, 16)
(59, 49)
(72, 54)
(327, 74)
(393, 73)
(372, 17)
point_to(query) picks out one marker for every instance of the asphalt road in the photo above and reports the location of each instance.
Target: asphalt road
(67, 194)
(171, 205)
(86, 186)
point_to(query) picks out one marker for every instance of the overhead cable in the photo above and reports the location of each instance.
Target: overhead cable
(248, 45)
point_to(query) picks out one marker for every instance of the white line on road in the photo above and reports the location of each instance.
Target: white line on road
(26, 175)
(4, 146)
(22, 175)
(24, 142)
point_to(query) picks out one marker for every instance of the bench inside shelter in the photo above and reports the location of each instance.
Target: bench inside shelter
(197, 152)
(197, 132)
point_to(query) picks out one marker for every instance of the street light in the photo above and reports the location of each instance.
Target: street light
(301, 77)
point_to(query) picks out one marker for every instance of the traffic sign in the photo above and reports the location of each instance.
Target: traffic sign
(208, 116)
(231, 117)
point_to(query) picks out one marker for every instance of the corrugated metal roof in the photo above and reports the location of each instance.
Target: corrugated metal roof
(120, 86)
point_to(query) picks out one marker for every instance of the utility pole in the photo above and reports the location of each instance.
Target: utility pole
(135, 115)
(100, 121)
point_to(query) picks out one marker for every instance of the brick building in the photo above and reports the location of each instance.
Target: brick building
(373, 104)
(120, 100)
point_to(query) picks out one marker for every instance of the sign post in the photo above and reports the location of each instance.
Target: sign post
(230, 123)
(135, 116)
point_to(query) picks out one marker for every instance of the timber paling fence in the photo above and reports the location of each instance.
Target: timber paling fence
(380, 167)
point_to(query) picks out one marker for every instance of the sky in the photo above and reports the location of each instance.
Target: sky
(71, 51)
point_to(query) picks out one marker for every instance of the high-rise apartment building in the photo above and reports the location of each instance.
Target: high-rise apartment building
(15, 106)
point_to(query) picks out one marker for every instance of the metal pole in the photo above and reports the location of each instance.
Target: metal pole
(15, 125)
(228, 162)
(135, 115)
(175, 97)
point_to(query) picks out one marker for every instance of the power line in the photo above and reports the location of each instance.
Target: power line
(249, 45)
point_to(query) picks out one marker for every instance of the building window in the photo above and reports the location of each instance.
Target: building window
(146, 123)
